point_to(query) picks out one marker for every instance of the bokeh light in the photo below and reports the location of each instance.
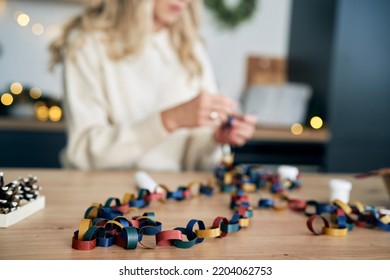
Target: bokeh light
(23, 19)
(316, 122)
(296, 129)
(55, 113)
(37, 29)
(41, 111)
(16, 88)
(7, 99)
(35, 92)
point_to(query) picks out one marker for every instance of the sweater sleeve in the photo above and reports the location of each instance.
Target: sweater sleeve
(94, 142)
(203, 153)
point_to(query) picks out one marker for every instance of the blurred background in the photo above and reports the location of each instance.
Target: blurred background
(315, 72)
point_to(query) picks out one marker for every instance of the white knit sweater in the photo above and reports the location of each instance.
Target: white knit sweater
(112, 109)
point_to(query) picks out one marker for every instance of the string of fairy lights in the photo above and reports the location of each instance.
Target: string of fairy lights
(43, 110)
(23, 19)
(316, 122)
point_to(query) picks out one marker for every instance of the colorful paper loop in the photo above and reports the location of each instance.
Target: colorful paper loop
(130, 236)
(190, 232)
(208, 232)
(181, 243)
(82, 245)
(85, 224)
(166, 237)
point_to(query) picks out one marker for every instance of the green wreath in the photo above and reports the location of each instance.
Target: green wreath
(231, 17)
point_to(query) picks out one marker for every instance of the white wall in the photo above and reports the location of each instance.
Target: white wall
(267, 33)
(25, 57)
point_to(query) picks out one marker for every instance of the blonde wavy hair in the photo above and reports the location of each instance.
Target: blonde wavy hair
(128, 24)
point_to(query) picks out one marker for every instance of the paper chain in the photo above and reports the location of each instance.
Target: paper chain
(342, 218)
(105, 225)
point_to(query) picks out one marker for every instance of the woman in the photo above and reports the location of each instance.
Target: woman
(140, 91)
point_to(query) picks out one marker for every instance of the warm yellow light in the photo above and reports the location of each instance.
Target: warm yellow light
(55, 113)
(37, 29)
(7, 99)
(316, 122)
(16, 88)
(35, 92)
(296, 129)
(23, 19)
(42, 112)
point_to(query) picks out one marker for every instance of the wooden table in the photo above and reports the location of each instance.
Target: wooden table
(272, 235)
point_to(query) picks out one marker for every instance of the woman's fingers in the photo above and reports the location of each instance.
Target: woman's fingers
(203, 110)
(251, 119)
(215, 109)
(223, 104)
(242, 130)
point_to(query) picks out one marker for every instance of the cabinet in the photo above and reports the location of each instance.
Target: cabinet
(30, 143)
(276, 146)
(341, 48)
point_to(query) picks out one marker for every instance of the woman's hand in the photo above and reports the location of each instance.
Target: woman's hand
(242, 129)
(205, 109)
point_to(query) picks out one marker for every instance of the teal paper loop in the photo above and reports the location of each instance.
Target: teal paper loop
(130, 235)
(248, 214)
(230, 227)
(350, 226)
(146, 221)
(143, 193)
(149, 214)
(109, 201)
(88, 211)
(91, 233)
(225, 188)
(184, 244)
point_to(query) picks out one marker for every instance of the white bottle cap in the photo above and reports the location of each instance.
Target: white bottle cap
(144, 181)
(340, 189)
(288, 172)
